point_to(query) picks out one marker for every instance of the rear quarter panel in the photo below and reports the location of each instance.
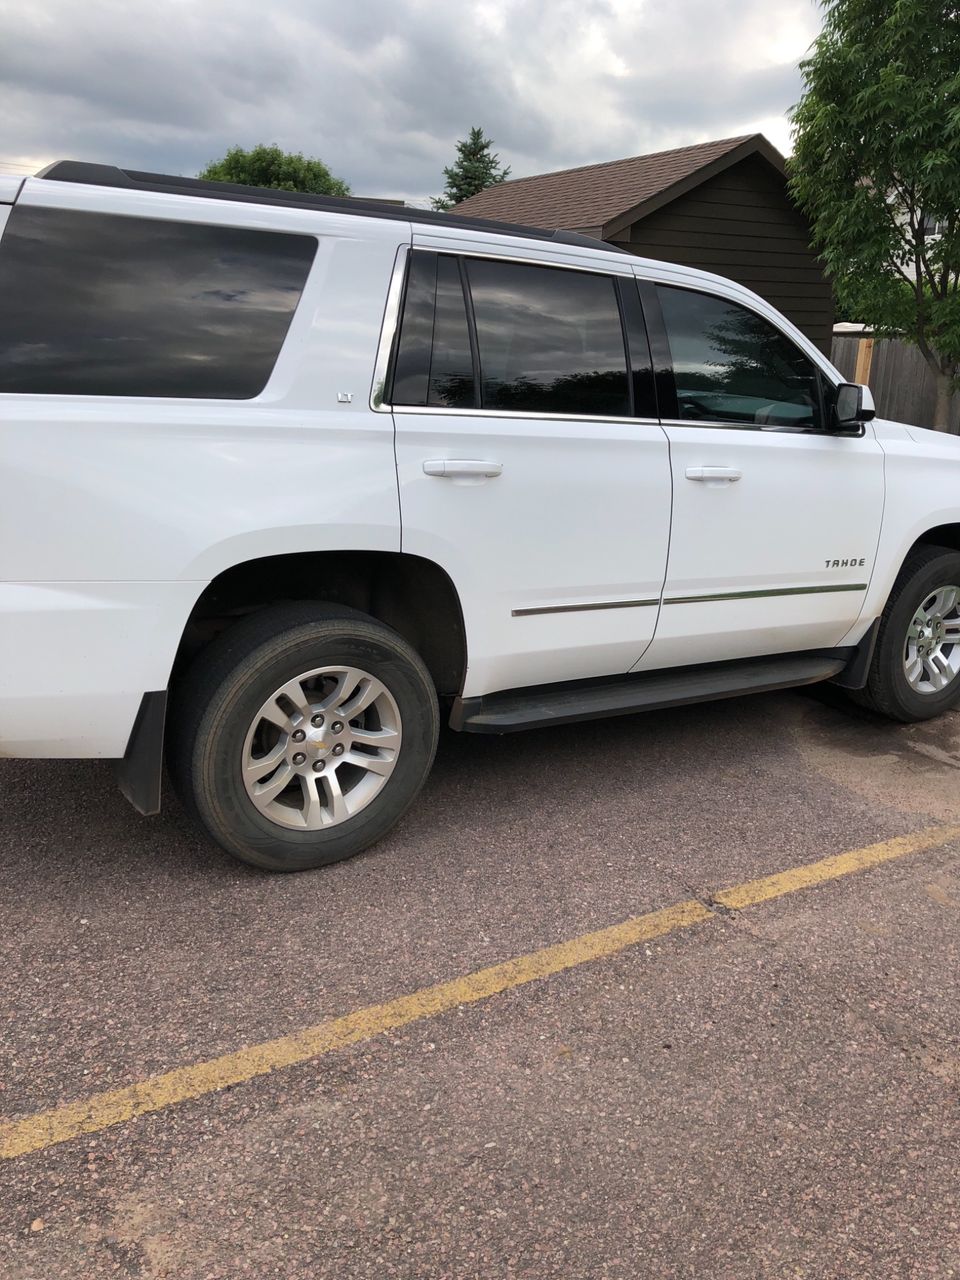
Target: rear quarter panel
(164, 494)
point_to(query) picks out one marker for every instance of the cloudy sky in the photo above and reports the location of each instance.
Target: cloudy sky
(382, 89)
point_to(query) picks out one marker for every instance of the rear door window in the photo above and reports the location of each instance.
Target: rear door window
(99, 304)
(550, 340)
(434, 363)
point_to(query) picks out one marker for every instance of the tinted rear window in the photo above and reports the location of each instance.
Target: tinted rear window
(96, 304)
(434, 361)
(550, 340)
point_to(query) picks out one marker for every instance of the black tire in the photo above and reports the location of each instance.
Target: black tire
(218, 699)
(887, 690)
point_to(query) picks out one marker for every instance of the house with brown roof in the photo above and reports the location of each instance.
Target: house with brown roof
(719, 206)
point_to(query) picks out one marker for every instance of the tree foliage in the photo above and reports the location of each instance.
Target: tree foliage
(877, 161)
(268, 166)
(475, 168)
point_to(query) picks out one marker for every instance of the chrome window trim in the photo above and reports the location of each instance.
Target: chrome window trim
(391, 322)
(629, 269)
(515, 413)
(599, 269)
(744, 426)
(388, 330)
(821, 361)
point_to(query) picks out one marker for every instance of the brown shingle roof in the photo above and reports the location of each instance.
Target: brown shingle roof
(596, 193)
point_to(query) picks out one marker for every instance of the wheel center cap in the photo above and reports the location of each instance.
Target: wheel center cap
(316, 745)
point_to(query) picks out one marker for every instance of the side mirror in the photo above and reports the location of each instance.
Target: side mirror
(852, 407)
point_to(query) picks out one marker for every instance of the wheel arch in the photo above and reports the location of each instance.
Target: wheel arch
(891, 687)
(890, 564)
(413, 595)
(941, 535)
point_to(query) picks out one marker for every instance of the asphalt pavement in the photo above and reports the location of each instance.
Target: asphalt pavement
(769, 1089)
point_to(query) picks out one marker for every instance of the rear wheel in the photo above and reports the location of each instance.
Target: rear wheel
(302, 735)
(915, 673)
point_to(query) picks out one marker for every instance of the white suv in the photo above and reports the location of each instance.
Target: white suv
(283, 475)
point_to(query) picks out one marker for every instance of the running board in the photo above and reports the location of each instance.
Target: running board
(595, 699)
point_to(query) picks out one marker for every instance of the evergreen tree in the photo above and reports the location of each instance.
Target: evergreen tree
(475, 168)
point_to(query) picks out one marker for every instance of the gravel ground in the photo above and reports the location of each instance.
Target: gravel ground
(772, 1092)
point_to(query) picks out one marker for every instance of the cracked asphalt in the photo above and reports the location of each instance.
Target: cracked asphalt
(772, 1092)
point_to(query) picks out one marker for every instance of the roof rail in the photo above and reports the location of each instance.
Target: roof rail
(108, 175)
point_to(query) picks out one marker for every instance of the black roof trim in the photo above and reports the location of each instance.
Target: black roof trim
(108, 175)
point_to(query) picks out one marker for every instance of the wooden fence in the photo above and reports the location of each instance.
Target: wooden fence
(897, 374)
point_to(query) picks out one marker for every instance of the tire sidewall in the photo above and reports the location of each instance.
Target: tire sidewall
(220, 795)
(909, 703)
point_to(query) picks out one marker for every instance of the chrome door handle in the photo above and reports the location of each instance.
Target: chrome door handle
(454, 468)
(719, 475)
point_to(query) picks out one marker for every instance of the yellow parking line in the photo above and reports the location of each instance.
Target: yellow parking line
(843, 864)
(100, 1111)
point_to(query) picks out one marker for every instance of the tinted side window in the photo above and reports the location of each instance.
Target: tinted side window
(550, 340)
(97, 304)
(411, 373)
(731, 365)
(434, 362)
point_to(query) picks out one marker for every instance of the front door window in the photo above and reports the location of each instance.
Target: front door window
(732, 365)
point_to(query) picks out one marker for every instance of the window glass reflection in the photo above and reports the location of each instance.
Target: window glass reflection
(98, 304)
(411, 375)
(732, 365)
(550, 340)
(451, 365)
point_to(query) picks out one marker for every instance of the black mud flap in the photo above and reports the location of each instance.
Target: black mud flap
(854, 674)
(140, 771)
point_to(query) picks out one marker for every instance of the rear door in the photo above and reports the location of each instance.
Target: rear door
(531, 463)
(775, 521)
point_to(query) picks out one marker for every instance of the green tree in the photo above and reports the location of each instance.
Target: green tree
(264, 166)
(475, 168)
(876, 167)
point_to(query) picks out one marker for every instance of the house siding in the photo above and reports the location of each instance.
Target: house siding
(742, 224)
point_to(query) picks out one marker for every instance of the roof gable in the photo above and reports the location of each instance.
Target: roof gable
(613, 194)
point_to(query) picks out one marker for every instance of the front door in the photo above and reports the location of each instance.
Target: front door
(531, 464)
(775, 522)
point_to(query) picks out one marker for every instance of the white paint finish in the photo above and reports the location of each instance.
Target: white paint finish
(922, 491)
(44, 193)
(148, 492)
(144, 492)
(802, 500)
(579, 515)
(548, 252)
(116, 512)
(77, 657)
(166, 489)
(10, 184)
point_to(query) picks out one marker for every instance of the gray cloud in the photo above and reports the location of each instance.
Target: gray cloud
(381, 89)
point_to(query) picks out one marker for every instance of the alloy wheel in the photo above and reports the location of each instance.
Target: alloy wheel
(931, 651)
(321, 747)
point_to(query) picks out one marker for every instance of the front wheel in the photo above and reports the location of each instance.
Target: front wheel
(915, 673)
(302, 735)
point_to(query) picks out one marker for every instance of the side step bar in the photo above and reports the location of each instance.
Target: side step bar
(596, 699)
